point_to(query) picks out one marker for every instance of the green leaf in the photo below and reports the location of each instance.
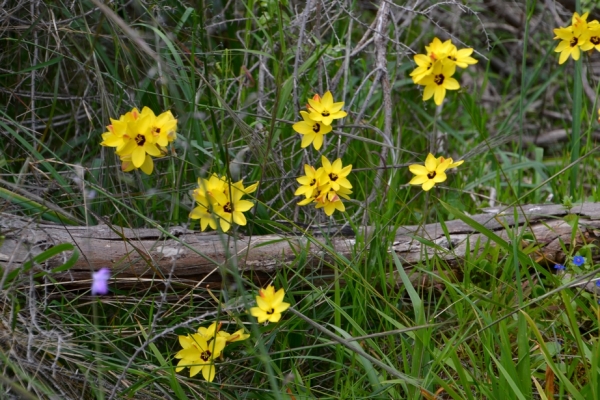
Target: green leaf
(44, 256)
(35, 67)
(549, 359)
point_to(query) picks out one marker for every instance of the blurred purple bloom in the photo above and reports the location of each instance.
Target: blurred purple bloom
(100, 282)
(578, 260)
(598, 283)
(559, 267)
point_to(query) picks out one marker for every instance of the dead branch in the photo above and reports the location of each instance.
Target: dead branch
(146, 256)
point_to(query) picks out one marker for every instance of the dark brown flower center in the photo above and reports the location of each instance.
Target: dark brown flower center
(333, 176)
(431, 175)
(156, 131)
(439, 79)
(595, 40)
(271, 311)
(316, 128)
(228, 208)
(205, 355)
(573, 42)
(140, 139)
(313, 182)
(325, 113)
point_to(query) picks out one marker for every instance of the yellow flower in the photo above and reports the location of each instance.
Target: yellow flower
(270, 305)
(127, 165)
(198, 354)
(334, 175)
(434, 171)
(461, 58)
(326, 110)
(207, 186)
(236, 336)
(312, 131)
(452, 163)
(120, 131)
(206, 201)
(309, 182)
(162, 127)
(576, 37)
(142, 142)
(269, 293)
(438, 82)
(202, 196)
(330, 201)
(329, 206)
(594, 34)
(424, 67)
(137, 136)
(203, 212)
(438, 50)
(571, 42)
(228, 205)
(307, 200)
(139, 148)
(210, 332)
(316, 98)
(579, 21)
(444, 53)
(325, 185)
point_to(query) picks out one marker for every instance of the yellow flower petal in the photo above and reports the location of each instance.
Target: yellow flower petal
(431, 162)
(428, 92)
(317, 142)
(209, 372)
(243, 205)
(418, 180)
(307, 139)
(418, 169)
(451, 84)
(148, 166)
(428, 185)
(194, 370)
(440, 94)
(138, 157)
(439, 177)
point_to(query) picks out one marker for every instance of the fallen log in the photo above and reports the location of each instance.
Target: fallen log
(147, 256)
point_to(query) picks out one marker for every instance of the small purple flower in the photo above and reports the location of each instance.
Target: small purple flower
(578, 261)
(100, 282)
(598, 283)
(559, 267)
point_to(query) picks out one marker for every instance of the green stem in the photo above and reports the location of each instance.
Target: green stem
(576, 116)
(576, 129)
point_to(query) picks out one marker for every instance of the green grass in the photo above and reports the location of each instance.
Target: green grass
(499, 324)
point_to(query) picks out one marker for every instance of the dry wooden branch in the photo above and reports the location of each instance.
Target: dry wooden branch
(139, 256)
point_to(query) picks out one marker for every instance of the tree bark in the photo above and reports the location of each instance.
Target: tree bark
(143, 257)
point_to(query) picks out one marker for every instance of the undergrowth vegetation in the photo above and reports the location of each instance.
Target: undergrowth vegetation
(302, 118)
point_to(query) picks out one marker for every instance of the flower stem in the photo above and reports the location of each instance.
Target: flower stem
(576, 117)
(576, 129)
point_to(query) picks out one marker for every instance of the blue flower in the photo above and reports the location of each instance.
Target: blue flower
(578, 261)
(598, 283)
(100, 282)
(559, 267)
